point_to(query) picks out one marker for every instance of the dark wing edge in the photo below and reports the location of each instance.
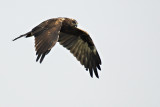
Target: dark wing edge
(82, 47)
(46, 36)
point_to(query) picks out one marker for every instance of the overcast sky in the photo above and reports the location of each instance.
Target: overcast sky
(126, 34)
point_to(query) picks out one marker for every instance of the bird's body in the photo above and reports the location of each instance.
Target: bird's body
(65, 31)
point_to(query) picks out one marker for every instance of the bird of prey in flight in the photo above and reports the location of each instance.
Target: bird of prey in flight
(65, 31)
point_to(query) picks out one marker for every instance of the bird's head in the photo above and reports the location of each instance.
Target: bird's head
(70, 22)
(74, 23)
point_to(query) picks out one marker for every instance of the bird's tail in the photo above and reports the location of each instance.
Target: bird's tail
(24, 35)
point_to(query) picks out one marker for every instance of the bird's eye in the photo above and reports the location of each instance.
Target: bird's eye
(74, 22)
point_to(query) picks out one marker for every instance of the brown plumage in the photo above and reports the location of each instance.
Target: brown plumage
(65, 31)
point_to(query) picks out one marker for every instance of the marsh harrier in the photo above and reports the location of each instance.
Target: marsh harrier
(65, 31)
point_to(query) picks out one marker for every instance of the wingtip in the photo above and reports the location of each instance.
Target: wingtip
(97, 76)
(98, 66)
(40, 60)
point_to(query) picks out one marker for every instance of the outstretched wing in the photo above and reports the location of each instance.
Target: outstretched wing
(82, 47)
(46, 35)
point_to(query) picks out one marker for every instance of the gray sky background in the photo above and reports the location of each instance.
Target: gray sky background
(126, 34)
